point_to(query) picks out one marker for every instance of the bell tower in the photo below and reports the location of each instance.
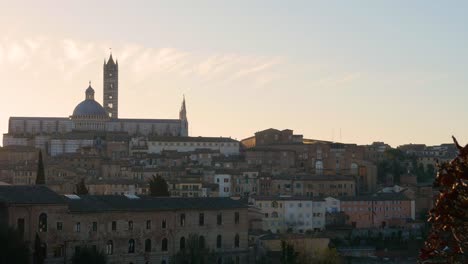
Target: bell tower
(111, 87)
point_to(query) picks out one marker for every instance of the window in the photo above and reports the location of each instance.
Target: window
(148, 245)
(219, 219)
(130, 225)
(218, 241)
(109, 247)
(236, 217)
(182, 219)
(236, 241)
(94, 226)
(114, 225)
(164, 244)
(20, 225)
(148, 224)
(58, 251)
(201, 242)
(201, 219)
(182, 243)
(163, 224)
(43, 222)
(77, 227)
(131, 246)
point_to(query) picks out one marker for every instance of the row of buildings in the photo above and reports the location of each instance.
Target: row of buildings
(127, 228)
(299, 214)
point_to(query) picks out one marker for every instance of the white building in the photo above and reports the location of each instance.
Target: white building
(224, 182)
(296, 213)
(332, 205)
(225, 146)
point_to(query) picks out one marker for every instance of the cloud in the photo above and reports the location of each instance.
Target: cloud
(336, 80)
(72, 57)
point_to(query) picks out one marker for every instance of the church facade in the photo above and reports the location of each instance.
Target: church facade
(90, 122)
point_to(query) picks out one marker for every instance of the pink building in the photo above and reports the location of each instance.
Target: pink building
(378, 210)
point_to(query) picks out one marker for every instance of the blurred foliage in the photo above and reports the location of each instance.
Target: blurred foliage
(447, 241)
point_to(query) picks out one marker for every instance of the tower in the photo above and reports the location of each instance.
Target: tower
(111, 87)
(183, 119)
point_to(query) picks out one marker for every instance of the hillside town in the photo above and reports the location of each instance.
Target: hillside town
(144, 191)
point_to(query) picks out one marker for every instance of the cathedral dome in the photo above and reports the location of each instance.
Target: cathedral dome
(89, 107)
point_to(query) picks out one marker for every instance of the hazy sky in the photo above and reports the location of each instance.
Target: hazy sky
(392, 71)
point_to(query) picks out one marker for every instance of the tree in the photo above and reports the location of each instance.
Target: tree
(81, 188)
(87, 255)
(158, 186)
(195, 252)
(40, 176)
(12, 247)
(447, 241)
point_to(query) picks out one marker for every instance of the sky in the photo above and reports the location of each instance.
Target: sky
(350, 71)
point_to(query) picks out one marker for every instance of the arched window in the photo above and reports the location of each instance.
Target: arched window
(201, 242)
(319, 167)
(236, 241)
(131, 246)
(182, 243)
(218, 241)
(109, 247)
(148, 245)
(164, 244)
(274, 215)
(43, 222)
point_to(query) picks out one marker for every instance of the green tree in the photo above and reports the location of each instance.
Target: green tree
(40, 177)
(195, 252)
(81, 188)
(87, 255)
(158, 187)
(12, 247)
(447, 241)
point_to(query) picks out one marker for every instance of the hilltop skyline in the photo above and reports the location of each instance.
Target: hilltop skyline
(316, 69)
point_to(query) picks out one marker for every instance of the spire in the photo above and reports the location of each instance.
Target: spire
(183, 110)
(111, 60)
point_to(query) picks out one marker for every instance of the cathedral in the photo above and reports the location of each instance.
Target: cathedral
(90, 122)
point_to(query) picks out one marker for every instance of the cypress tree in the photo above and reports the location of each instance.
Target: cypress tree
(40, 177)
(158, 186)
(81, 188)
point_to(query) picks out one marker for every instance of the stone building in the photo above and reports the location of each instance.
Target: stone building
(378, 210)
(274, 151)
(57, 135)
(128, 229)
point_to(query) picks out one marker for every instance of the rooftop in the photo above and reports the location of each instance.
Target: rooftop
(34, 194)
(190, 139)
(377, 197)
(29, 194)
(112, 203)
